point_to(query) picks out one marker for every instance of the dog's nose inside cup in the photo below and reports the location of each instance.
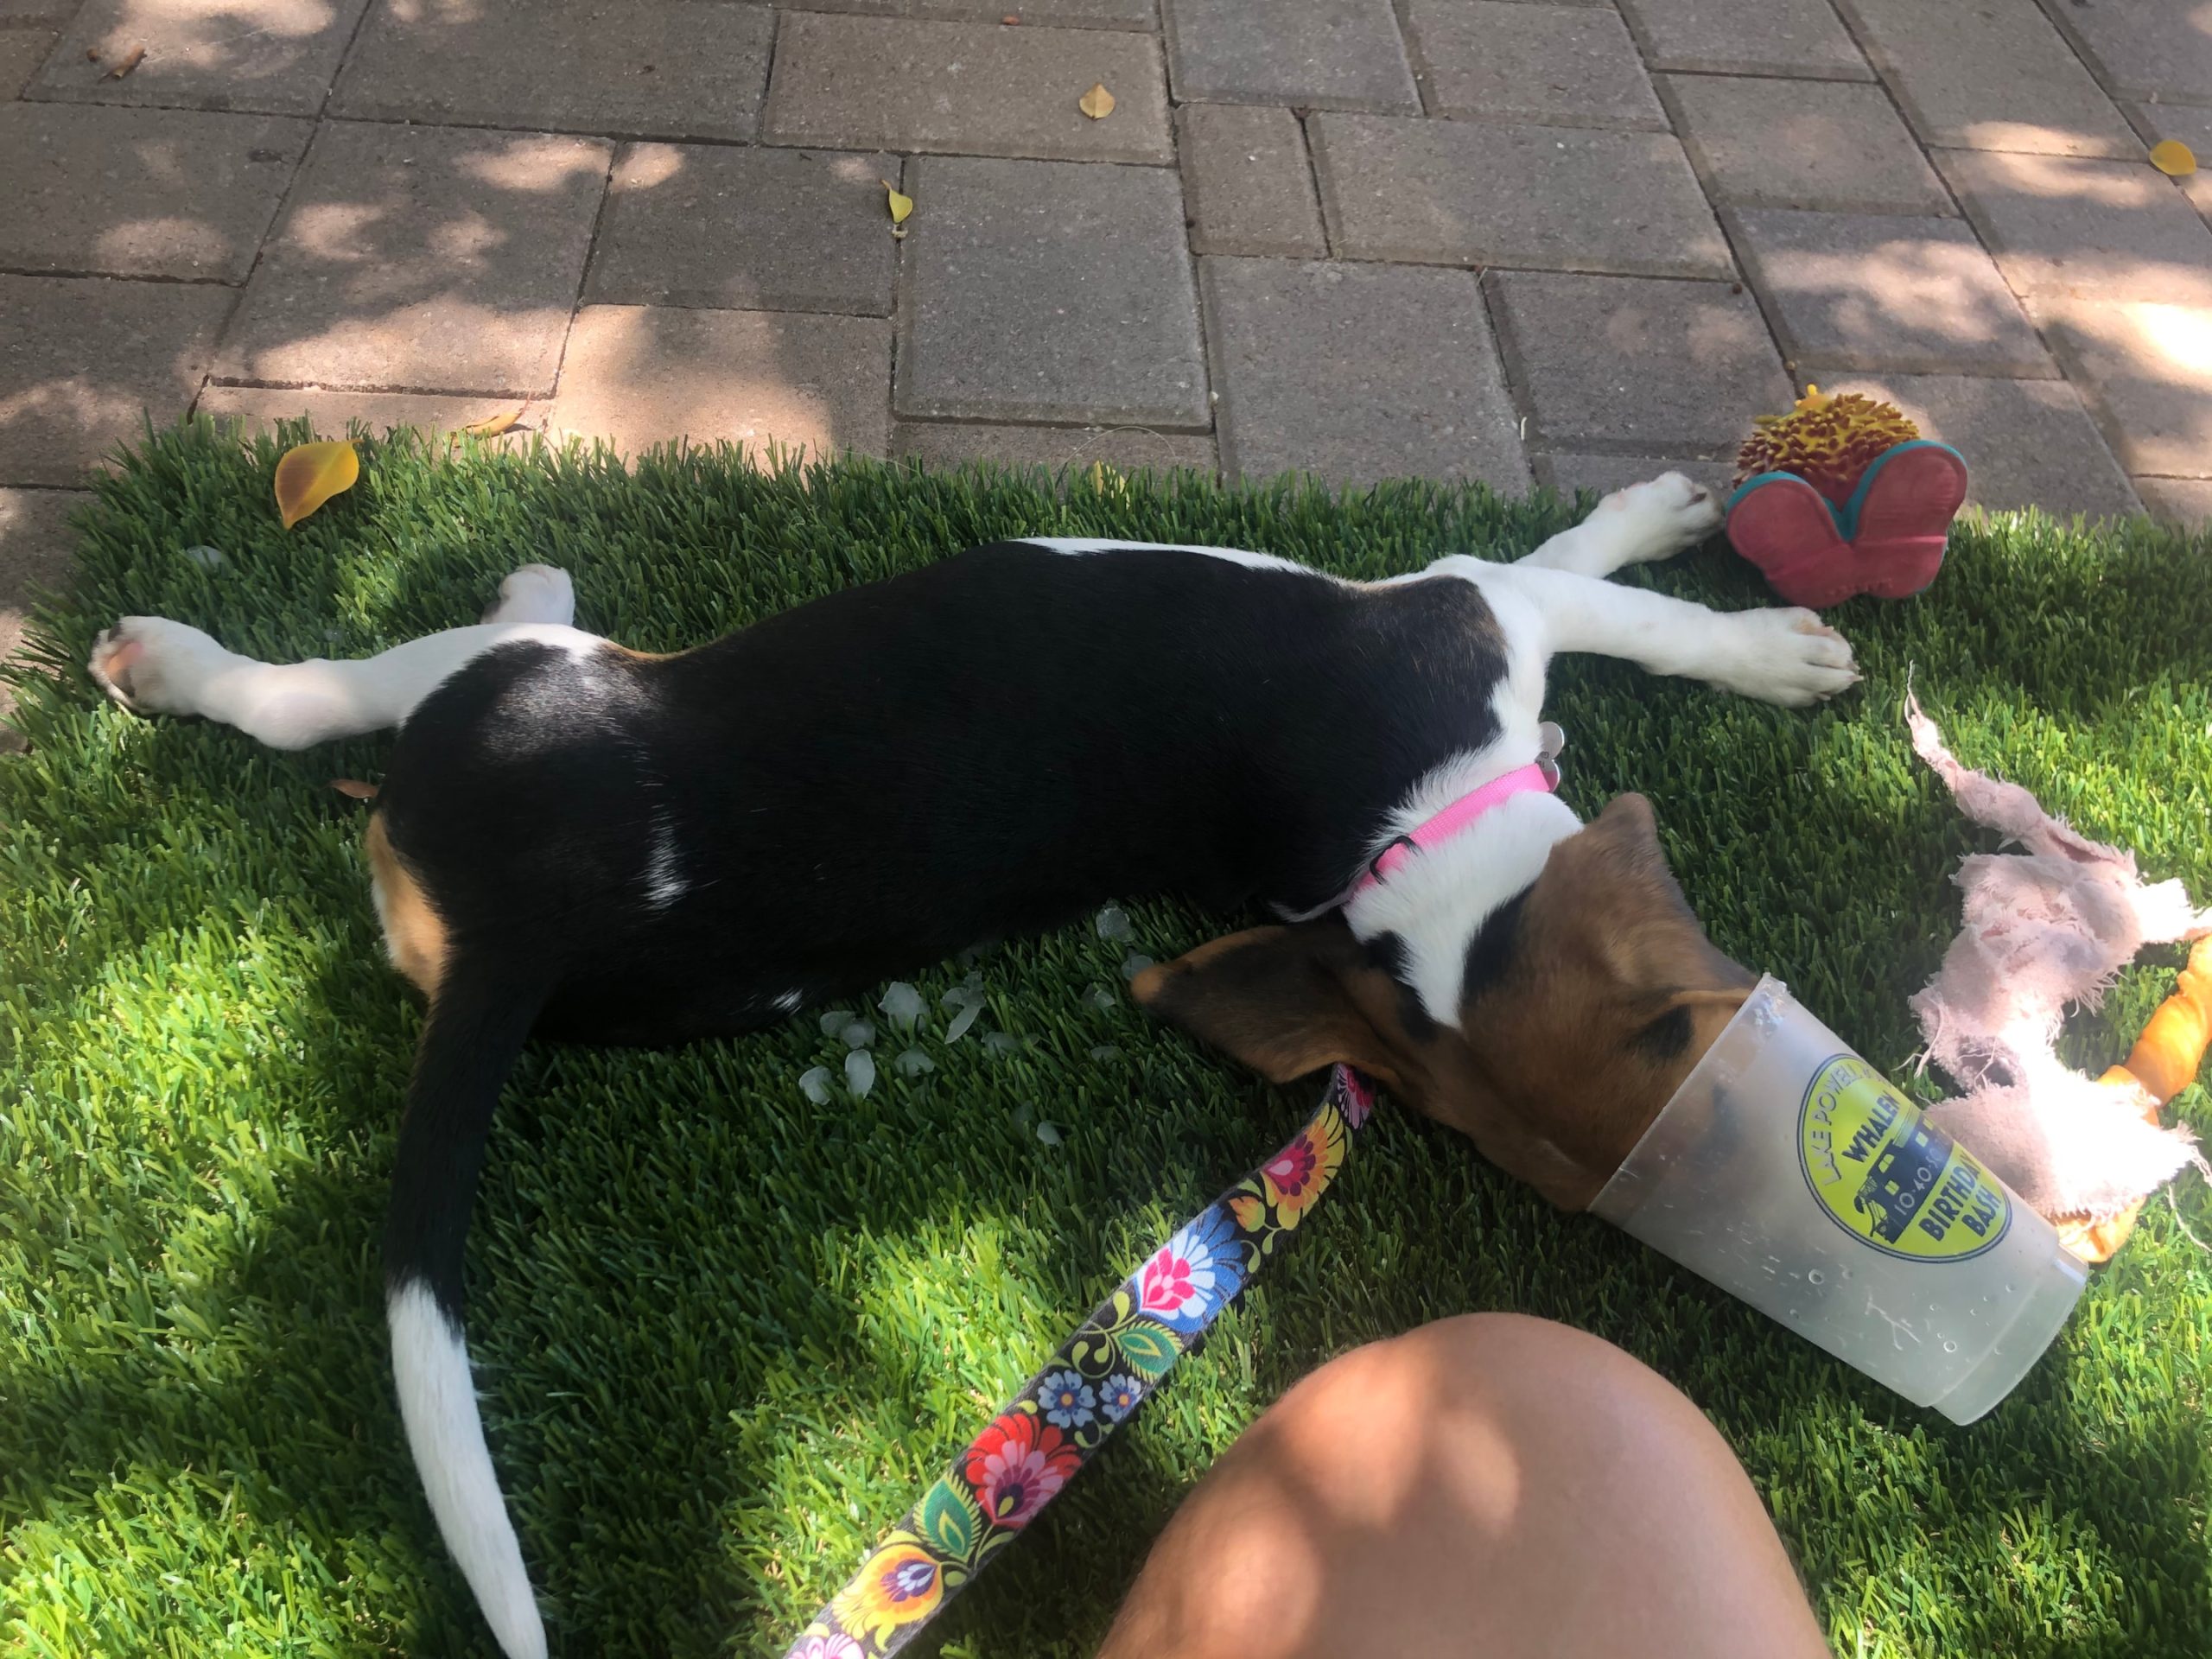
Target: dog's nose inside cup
(1788, 1171)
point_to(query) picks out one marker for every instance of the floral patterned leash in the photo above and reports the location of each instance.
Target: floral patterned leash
(1095, 1380)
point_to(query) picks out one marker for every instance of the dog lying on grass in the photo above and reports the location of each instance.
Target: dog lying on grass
(578, 840)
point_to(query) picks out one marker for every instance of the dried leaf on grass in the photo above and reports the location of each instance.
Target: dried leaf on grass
(2173, 158)
(492, 425)
(1097, 103)
(310, 474)
(131, 60)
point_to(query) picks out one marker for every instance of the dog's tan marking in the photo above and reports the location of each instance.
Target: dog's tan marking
(1609, 994)
(413, 934)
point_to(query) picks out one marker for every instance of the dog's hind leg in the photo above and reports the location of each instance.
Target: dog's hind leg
(156, 666)
(1649, 521)
(477, 1025)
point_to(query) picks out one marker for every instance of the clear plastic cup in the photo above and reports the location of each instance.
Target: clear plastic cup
(1789, 1173)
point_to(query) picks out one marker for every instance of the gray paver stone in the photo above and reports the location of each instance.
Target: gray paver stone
(1246, 181)
(1992, 75)
(260, 409)
(1875, 291)
(21, 51)
(1357, 373)
(2183, 502)
(422, 259)
(1125, 448)
(272, 55)
(670, 68)
(2098, 230)
(1066, 14)
(141, 193)
(2147, 48)
(772, 230)
(643, 375)
(1609, 365)
(1803, 38)
(2146, 371)
(2191, 127)
(85, 360)
(1506, 61)
(35, 547)
(35, 543)
(1831, 145)
(1048, 291)
(2026, 442)
(891, 83)
(1081, 14)
(1318, 55)
(21, 15)
(1566, 474)
(1469, 194)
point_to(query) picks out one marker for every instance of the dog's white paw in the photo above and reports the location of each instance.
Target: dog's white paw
(1788, 656)
(536, 592)
(1657, 518)
(154, 666)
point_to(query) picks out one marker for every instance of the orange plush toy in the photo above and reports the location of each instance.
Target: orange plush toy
(2163, 1063)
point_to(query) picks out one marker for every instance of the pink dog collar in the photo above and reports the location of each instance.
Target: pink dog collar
(1541, 774)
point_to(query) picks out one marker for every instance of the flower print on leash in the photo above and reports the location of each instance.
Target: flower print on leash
(1193, 1273)
(1018, 1465)
(1092, 1385)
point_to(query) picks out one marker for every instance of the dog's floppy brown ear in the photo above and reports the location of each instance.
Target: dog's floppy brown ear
(1286, 1001)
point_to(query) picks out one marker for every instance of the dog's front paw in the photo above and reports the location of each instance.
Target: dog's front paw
(1788, 656)
(154, 666)
(1660, 518)
(536, 592)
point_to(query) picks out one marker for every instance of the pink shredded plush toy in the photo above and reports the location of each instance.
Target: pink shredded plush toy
(2047, 926)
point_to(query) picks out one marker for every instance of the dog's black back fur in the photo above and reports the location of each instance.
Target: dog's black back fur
(865, 784)
(627, 848)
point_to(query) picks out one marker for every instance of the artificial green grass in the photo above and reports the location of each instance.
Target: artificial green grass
(724, 1335)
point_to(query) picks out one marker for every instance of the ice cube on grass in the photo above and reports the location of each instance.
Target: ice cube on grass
(834, 1020)
(857, 1033)
(815, 1085)
(207, 557)
(902, 1004)
(1134, 963)
(911, 1063)
(961, 1022)
(1104, 1000)
(859, 1071)
(1001, 1042)
(1049, 1134)
(1113, 923)
(1105, 1052)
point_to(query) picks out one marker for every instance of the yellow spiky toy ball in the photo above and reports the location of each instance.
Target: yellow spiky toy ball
(1829, 441)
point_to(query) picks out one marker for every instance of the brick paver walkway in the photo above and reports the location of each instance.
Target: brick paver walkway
(1567, 243)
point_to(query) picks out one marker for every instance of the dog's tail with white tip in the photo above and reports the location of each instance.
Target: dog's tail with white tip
(477, 1025)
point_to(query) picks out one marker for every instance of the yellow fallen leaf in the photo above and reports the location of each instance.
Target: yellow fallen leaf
(492, 425)
(1097, 103)
(2173, 158)
(900, 205)
(310, 474)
